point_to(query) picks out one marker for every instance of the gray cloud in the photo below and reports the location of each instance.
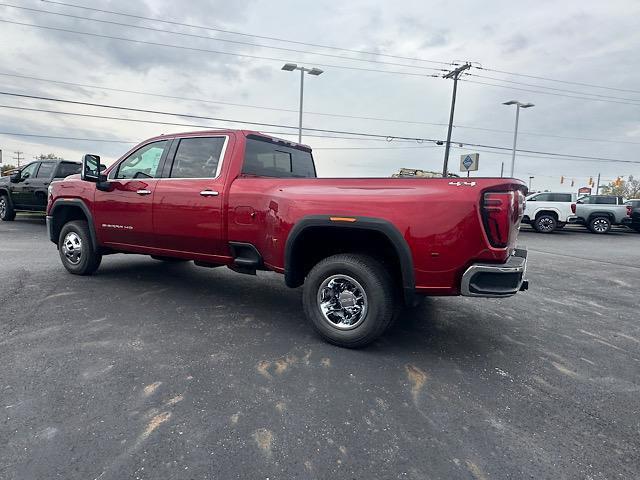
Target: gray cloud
(594, 43)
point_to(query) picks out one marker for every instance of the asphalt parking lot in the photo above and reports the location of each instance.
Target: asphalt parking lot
(149, 370)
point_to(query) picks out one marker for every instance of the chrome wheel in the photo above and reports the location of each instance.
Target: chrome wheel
(3, 207)
(601, 225)
(342, 301)
(72, 248)
(546, 224)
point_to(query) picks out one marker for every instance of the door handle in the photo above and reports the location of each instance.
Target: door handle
(209, 193)
(143, 192)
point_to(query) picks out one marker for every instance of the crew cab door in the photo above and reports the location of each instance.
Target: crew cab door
(38, 185)
(22, 191)
(187, 206)
(123, 209)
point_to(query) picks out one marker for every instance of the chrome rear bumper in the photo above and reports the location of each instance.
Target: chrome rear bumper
(496, 280)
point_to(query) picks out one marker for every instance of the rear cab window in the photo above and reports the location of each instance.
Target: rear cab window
(67, 168)
(266, 157)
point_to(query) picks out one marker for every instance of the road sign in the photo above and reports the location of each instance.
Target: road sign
(469, 162)
(583, 190)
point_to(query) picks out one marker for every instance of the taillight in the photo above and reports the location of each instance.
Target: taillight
(573, 208)
(501, 211)
(629, 210)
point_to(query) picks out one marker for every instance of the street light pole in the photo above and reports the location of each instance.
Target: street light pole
(515, 140)
(518, 105)
(301, 100)
(290, 67)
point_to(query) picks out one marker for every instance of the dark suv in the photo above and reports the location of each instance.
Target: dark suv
(633, 210)
(26, 189)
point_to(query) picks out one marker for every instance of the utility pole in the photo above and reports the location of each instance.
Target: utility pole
(452, 74)
(501, 169)
(18, 156)
(598, 186)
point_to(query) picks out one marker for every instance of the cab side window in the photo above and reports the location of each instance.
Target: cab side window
(45, 170)
(29, 171)
(543, 197)
(197, 157)
(143, 163)
(561, 197)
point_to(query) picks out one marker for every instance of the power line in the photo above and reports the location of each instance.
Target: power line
(201, 117)
(206, 37)
(362, 134)
(557, 80)
(244, 34)
(555, 89)
(205, 50)
(549, 93)
(112, 12)
(335, 115)
(21, 134)
(219, 102)
(58, 137)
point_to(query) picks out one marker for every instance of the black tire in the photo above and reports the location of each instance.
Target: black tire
(545, 223)
(375, 282)
(600, 225)
(75, 237)
(7, 213)
(636, 228)
(168, 259)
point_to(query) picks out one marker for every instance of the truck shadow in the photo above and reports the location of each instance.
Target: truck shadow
(442, 326)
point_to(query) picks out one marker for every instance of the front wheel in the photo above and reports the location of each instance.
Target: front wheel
(349, 299)
(7, 213)
(76, 249)
(600, 225)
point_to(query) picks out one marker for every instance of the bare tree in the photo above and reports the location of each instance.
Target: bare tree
(629, 188)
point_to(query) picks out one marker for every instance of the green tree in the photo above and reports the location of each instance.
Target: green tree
(629, 188)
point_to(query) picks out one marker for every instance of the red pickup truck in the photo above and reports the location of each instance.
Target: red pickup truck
(362, 247)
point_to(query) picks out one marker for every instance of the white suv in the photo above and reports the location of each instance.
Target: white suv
(548, 211)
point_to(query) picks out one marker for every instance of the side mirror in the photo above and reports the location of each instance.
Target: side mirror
(14, 177)
(90, 171)
(580, 201)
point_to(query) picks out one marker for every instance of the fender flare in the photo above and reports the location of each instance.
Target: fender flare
(543, 210)
(611, 216)
(71, 202)
(4, 190)
(362, 223)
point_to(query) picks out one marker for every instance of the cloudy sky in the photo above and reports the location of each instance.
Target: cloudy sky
(584, 42)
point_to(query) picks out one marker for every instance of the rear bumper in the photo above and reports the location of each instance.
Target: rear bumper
(496, 280)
